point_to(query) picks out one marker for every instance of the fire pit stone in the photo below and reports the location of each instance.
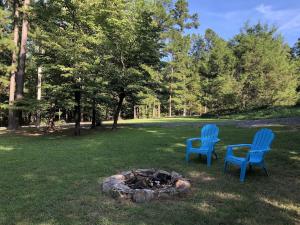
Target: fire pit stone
(143, 185)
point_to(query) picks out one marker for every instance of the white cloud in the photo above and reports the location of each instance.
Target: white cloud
(264, 9)
(285, 19)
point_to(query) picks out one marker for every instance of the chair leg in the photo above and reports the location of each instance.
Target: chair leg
(243, 172)
(187, 156)
(250, 167)
(225, 166)
(265, 169)
(209, 159)
(215, 154)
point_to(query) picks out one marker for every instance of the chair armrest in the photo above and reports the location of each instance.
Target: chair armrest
(239, 146)
(193, 139)
(230, 148)
(215, 140)
(189, 142)
(263, 150)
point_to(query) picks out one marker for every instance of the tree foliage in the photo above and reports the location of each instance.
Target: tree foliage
(98, 59)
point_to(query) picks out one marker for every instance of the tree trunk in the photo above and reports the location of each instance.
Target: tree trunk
(22, 60)
(170, 105)
(184, 109)
(170, 94)
(158, 113)
(134, 112)
(77, 113)
(12, 84)
(118, 110)
(39, 96)
(59, 114)
(93, 113)
(154, 111)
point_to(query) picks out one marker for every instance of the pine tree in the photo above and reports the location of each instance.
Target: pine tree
(217, 67)
(6, 46)
(296, 59)
(177, 49)
(265, 71)
(12, 85)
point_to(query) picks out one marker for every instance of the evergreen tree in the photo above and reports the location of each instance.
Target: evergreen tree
(12, 84)
(217, 67)
(264, 71)
(6, 46)
(178, 47)
(296, 57)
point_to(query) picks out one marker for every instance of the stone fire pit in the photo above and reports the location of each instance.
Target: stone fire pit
(143, 185)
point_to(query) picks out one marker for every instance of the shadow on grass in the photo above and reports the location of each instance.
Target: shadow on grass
(54, 179)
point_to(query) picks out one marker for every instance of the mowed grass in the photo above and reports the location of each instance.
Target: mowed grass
(54, 179)
(270, 113)
(275, 112)
(168, 120)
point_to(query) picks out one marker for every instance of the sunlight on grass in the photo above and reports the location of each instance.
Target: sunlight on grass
(6, 148)
(203, 176)
(180, 145)
(297, 158)
(227, 196)
(165, 120)
(282, 205)
(205, 207)
(29, 176)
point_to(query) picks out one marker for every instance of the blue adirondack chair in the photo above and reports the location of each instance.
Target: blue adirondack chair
(255, 157)
(208, 139)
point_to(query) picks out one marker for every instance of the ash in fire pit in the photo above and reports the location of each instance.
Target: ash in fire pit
(143, 185)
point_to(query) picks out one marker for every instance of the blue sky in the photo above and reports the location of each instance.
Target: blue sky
(226, 17)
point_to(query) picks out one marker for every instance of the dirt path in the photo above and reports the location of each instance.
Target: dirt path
(293, 121)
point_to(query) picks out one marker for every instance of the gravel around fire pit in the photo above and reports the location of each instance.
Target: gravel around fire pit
(143, 185)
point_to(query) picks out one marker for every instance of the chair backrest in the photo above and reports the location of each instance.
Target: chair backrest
(210, 131)
(262, 139)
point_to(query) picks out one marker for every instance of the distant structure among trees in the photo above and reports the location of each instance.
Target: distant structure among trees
(146, 111)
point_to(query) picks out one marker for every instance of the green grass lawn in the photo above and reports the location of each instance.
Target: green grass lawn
(166, 120)
(54, 179)
(276, 112)
(272, 113)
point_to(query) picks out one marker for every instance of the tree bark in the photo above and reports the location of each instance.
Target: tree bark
(184, 109)
(170, 94)
(154, 111)
(170, 105)
(77, 113)
(12, 84)
(93, 113)
(39, 96)
(134, 112)
(22, 59)
(118, 110)
(158, 113)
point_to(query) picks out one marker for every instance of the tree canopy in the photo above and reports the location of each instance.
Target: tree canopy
(92, 60)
